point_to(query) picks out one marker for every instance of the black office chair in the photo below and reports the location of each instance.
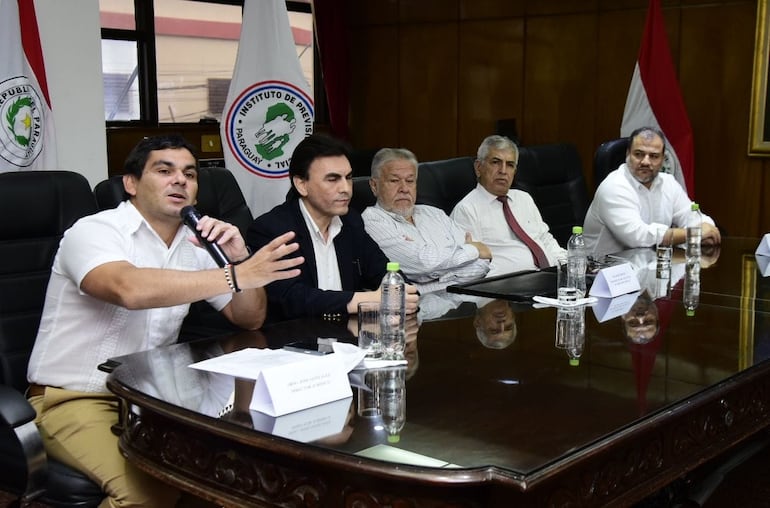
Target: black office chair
(608, 157)
(219, 196)
(363, 196)
(37, 206)
(444, 183)
(553, 175)
(361, 161)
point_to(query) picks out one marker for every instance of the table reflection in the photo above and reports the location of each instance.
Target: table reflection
(488, 387)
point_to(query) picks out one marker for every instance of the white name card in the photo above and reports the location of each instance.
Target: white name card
(763, 249)
(299, 385)
(608, 308)
(615, 281)
(762, 255)
(763, 264)
(308, 424)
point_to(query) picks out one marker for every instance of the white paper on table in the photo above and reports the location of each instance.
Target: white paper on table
(308, 424)
(608, 308)
(287, 381)
(763, 249)
(615, 281)
(762, 255)
(763, 264)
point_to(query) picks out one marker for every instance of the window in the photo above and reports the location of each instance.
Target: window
(170, 61)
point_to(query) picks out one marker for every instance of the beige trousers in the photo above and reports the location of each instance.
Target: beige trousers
(76, 430)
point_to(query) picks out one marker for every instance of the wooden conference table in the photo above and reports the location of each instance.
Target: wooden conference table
(515, 426)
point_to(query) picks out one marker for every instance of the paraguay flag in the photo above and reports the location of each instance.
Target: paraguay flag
(27, 137)
(654, 100)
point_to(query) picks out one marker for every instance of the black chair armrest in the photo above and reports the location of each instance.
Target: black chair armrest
(46, 480)
(15, 410)
(19, 418)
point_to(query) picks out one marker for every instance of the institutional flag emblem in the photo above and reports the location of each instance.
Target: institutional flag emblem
(264, 125)
(269, 107)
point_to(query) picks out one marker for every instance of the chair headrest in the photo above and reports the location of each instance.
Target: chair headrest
(47, 202)
(608, 157)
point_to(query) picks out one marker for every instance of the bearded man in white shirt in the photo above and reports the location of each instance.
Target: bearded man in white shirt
(483, 213)
(433, 250)
(638, 206)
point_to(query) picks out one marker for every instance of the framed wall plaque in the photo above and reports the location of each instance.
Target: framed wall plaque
(759, 129)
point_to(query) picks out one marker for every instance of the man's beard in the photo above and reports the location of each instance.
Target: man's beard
(407, 213)
(646, 180)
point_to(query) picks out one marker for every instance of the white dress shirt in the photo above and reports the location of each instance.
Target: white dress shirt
(482, 214)
(432, 251)
(327, 268)
(78, 332)
(625, 214)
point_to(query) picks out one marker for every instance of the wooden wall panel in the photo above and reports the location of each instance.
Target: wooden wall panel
(372, 12)
(427, 87)
(442, 74)
(551, 7)
(560, 81)
(610, 5)
(491, 83)
(619, 33)
(429, 11)
(374, 119)
(716, 81)
(492, 9)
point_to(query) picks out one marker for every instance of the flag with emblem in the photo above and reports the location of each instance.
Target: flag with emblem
(27, 137)
(654, 100)
(269, 108)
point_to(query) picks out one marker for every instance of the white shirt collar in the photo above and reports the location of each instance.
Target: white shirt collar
(335, 226)
(489, 196)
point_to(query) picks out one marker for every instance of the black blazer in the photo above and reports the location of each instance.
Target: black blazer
(361, 262)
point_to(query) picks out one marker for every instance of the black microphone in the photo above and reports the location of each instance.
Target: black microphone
(191, 217)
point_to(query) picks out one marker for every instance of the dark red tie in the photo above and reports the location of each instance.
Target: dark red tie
(541, 261)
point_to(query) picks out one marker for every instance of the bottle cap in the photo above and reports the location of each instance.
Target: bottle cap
(574, 362)
(393, 266)
(690, 312)
(577, 230)
(394, 438)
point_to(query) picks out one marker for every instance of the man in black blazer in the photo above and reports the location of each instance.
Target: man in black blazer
(343, 265)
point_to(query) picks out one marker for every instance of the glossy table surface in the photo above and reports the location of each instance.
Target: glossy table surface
(513, 410)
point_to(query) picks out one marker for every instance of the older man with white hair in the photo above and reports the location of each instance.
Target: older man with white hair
(433, 250)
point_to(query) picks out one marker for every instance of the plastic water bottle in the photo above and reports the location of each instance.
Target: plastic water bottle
(694, 233)
(571, 332)
(691, 297)
(576, 259)
(393, 402)
(393, 313)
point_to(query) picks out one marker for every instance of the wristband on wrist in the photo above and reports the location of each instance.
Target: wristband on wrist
(230, 278)
(235, 280)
